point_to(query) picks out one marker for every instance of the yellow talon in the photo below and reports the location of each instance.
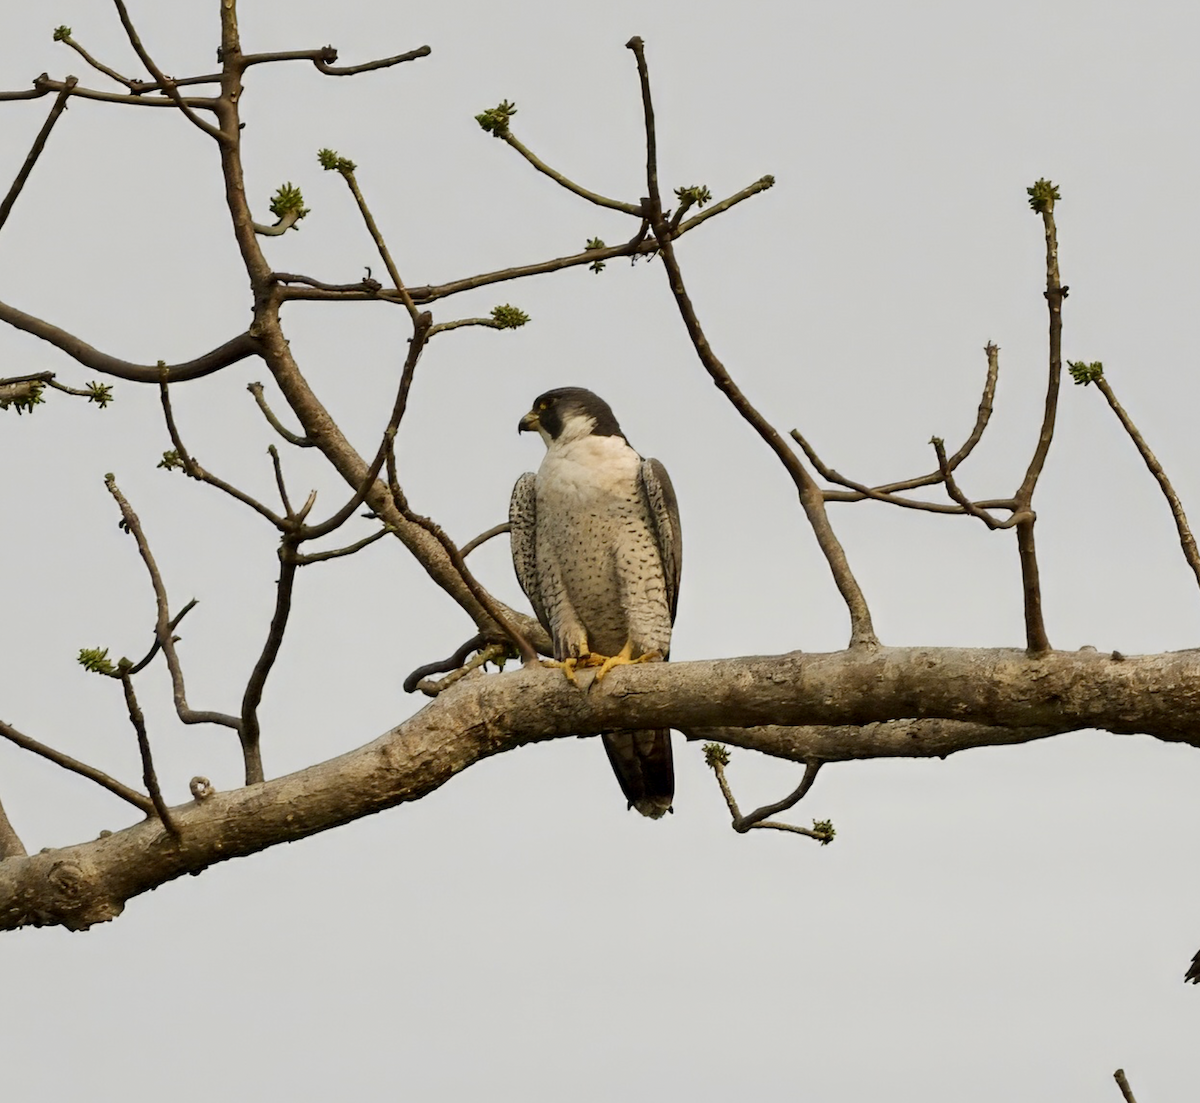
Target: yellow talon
(625, 658)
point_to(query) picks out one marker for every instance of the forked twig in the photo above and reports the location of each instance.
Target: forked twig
(717, 758)
(862, 633)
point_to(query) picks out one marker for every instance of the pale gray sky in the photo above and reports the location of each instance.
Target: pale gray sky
(1006, 923)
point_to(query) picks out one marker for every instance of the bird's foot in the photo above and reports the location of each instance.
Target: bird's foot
(624, 658)
(575, 662)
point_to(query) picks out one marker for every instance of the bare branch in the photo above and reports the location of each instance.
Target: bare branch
(492, 653)
(952, 488)
(252, 698)
(154, 647)
(194, 471)
(1123, 1084)
(347, 173)
(44, 85)
(717, 758)
(416, 345)
(10, 842)
(570, 185)
(164, 624)
(484, 537)
(279, 482)
(132, 85)
(887, 491)
(441, 666)
(165, 82)
(35, 151)
(862, 633)
(231, 352)
(1186, 540)
(148, 774)
(256, 389)
(132, 796)
(368, 66)
(318, 557)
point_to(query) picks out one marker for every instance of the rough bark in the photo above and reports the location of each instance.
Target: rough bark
(916, 702)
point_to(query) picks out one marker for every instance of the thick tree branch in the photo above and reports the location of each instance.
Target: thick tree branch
(10, 842)
(486, 715)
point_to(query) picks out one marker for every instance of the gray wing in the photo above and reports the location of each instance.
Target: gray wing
(522, 516)
(664, 517)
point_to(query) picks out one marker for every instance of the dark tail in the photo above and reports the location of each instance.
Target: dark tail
(643, 765)
(1193, 974)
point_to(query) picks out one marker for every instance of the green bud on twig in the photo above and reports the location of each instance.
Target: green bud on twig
(95, 660)
(61, 33)
(824, 829)
(715, 754)
(1042, 197)
(331, 162)
(595, 243)
(697, 194)
(508, 317)
(288, 200)
(1084, 373)
(171, 461)
(99, 393)
(495, 119)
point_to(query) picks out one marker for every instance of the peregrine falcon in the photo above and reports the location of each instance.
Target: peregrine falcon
(597, 548)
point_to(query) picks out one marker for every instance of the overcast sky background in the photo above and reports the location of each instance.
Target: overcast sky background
(1010, 922)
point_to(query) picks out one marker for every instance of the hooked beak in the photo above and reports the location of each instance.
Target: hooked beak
(529, 423)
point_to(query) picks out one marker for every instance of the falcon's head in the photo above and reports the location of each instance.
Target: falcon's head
(569, 413)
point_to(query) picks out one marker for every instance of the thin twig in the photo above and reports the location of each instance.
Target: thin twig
(337, 553)
(965, 503)
(887, 491)
(230, 352)
(154, 647)
(570, 185)
(279, 483)
(441, 666)
(256, 389)
(249, 731)
(377, 237)
(416, 345)
(148, 773)
(458, 323)
(862, 633)
(717, 758)
(98, 65)
(1123, 1084)
(493, 653)
(1186, 540)
(279, 228)
(194, 471)
(484, 537)
(44, 85)
(35, 151)
(10, 842)
(132, 796)
(167, 84)
(368, 66)
(164, 623)
(315, 291)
